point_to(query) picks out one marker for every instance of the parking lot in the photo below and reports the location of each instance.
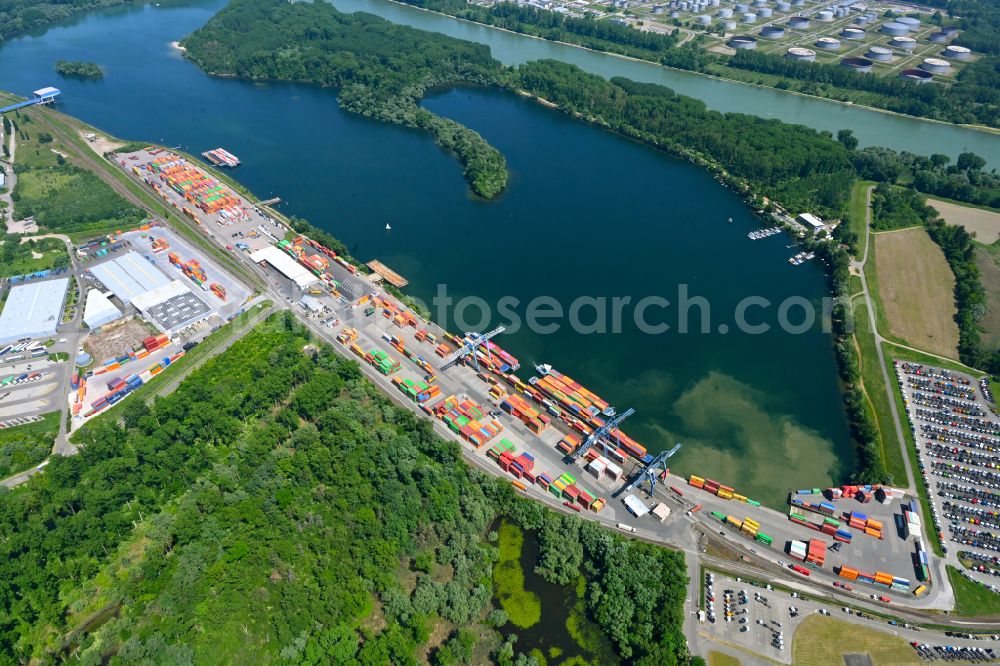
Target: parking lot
(28, 385)
(763, 621)
(958, 449)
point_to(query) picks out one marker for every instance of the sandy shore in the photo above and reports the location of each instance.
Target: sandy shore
(177, 45)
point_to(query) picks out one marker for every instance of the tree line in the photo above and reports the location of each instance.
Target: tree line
(974, 98)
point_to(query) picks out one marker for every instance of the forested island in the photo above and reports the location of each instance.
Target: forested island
(278, 508)
(382, 70)
(78, 69)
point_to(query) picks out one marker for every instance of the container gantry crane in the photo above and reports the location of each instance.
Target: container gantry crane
(602, 434)
(473, 340)
(649, 471)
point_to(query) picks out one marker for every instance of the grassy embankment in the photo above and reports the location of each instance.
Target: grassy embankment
(972, 599)
(23, 447)
(720, 659)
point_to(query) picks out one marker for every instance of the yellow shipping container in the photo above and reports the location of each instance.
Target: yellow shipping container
(725, 494)
(696, 479)
(739, 498)
(732, 521)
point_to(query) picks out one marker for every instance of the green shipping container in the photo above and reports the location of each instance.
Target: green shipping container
(720, 516)
(753, 502)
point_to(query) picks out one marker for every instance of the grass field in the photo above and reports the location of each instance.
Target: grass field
(56, 191)
(871, 376)
(916, 289)
(988, 262)
(822, 641)
(720, 659)
(972, 598)
(984, 223)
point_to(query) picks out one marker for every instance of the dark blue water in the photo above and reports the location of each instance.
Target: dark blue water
(587, 213)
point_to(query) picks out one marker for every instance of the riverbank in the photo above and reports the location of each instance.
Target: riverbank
(707, 75)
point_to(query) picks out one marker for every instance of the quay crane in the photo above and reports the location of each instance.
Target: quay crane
(649, 471)
(469, 347)
(602, 433)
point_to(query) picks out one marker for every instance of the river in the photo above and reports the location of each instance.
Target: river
(587, 214)
(871, 127)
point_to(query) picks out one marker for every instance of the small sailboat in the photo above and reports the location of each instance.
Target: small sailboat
(387, 227)
(730, 220)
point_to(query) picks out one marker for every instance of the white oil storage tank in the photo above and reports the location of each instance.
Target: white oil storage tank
(772, 32)
(729, 25)
(909, 21)
(824, 15)
(704, 19)
(938, 38)
(798, 22)
(903, 42)
(895, 29)
(828, 43)
(852, 33)
(800, 54)
(879, 54)
(749, 18)
(764, 12)
(725, 13)
(783, 6)
(957, 52)
(935, 66)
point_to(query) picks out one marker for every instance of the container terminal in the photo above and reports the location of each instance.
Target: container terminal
(555, 440)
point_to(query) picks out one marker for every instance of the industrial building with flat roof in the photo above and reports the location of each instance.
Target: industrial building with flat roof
(285, 265)
(33, 310)
(129, 275)
(171, 307)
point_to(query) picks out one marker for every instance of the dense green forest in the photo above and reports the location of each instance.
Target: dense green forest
(899, 207)
(27, 445)
(382, 69)
(277, 508)
(800, 167)
(18, 16)
(79, 69)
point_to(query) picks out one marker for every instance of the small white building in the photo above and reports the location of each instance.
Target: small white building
(811, 222)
